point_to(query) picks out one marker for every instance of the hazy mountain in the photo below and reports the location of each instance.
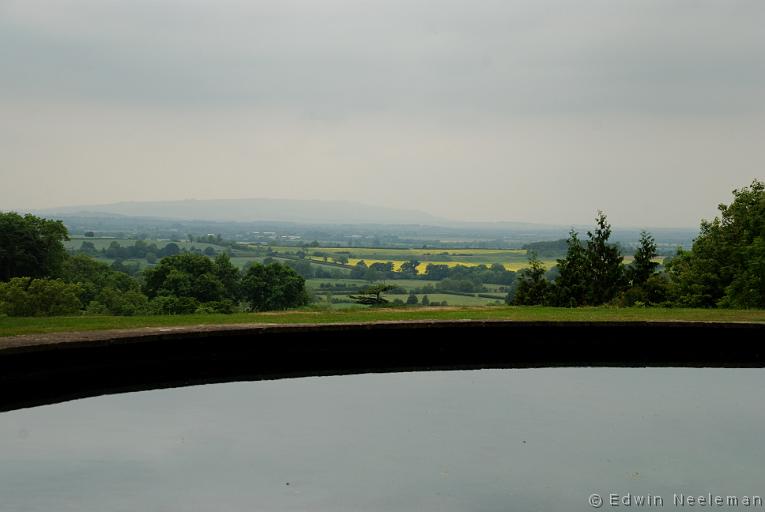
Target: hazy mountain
(342, 218)
(247, 210)
(332, 213)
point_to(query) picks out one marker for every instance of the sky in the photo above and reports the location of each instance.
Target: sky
(496, 110)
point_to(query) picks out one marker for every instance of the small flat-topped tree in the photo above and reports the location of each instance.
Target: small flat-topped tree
(371, 295)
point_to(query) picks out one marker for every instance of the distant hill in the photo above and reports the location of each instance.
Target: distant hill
(309, 215)
(249, 210)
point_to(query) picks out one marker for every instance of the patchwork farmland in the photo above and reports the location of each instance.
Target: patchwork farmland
(334, 274)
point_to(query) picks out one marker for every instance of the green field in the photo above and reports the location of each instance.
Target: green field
(103, 243)
(12, 326)
(450, 299)
(314, 285)
(240, 261)
(407, 284)
(406, 254)
(511, 259)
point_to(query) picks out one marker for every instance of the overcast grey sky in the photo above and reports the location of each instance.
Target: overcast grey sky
(533, 110)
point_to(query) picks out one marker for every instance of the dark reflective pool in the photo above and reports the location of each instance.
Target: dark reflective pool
(486, 440)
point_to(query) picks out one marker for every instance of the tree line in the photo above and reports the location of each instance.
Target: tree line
(462, 277)
(38, 277)
(724, 268)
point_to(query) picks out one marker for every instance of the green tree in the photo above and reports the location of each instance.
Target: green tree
(436, 272)
(747, 288)
(186, 275)
(170, 305)
(643, 266)
(26, 296)
(412, 299)
(101, 284)
(409, 268)
(88, 248)
(605, 262)
(170, 249)
(533, 287)
(359, 270)
(122, 303)
(30, 246)
(572, 287)
(372, 294)
(273, 287)
(726, 266)
(228, 275)
(114, 250)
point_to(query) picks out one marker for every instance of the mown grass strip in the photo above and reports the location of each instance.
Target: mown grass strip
(14, 326)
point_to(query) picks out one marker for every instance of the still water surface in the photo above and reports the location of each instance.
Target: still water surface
(490, 440)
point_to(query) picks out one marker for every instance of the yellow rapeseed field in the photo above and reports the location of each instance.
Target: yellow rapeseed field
(514, 266)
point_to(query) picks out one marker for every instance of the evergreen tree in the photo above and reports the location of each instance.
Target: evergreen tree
(605, 263)
(533, 287)
(643, 266)
(572, 286)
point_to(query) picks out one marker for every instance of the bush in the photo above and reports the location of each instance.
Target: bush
(221, 306)
(654, 292)
(127, 303)
(25, 296)
(169, 305)
(96, 308)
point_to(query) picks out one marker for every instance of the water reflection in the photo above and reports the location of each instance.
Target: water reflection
(473, 440)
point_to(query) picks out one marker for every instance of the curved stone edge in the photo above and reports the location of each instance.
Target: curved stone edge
(37, 370)
(53, 340)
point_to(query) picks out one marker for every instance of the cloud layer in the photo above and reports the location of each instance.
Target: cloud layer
(501, 110)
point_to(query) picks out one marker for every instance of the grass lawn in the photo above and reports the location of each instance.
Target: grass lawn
(10, 326)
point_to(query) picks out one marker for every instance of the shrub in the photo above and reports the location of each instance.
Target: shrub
(25, 296)
(221, 306)
(169, 305)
